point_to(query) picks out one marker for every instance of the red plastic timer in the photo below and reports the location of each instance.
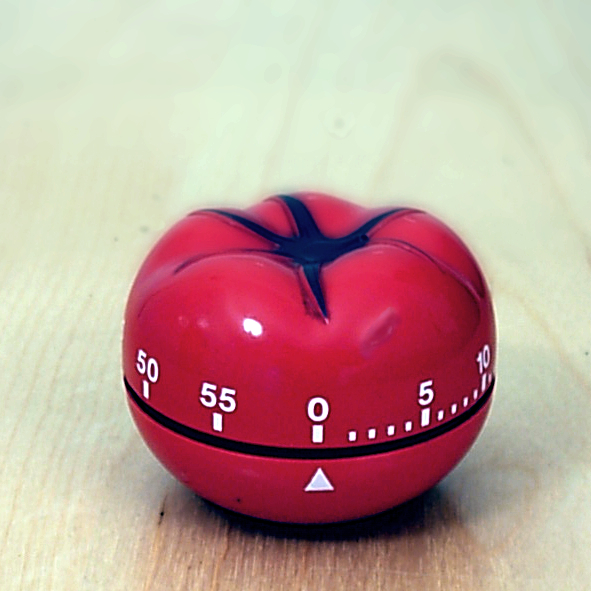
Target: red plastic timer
(308, 360)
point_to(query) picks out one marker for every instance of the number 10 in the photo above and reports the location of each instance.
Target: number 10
(483, 359)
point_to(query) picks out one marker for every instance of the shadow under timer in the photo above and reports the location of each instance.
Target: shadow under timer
(308, 360)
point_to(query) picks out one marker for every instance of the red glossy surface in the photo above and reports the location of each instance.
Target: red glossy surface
(274, 489)
(397, 339)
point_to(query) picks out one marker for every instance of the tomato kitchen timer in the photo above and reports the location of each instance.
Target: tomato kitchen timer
(308, 360)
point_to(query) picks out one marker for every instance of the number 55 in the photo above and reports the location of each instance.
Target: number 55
(208, 398)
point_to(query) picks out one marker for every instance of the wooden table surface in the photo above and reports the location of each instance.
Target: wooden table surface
(118, 117)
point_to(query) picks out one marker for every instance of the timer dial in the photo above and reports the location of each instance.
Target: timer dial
(309, 360)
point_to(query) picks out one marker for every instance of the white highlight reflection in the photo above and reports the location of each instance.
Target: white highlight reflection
(252, 326)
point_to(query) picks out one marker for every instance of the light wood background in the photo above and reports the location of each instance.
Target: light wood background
(118, 117)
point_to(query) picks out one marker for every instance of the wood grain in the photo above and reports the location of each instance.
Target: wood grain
(116, 118)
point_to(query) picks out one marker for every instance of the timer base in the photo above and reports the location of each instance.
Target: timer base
(309, 491)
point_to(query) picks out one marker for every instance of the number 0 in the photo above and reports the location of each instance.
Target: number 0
(152, 370)
(313, 407)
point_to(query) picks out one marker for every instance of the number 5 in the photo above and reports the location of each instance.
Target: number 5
(227, 403)
(426, 393)
(140, 364)
(208, 397)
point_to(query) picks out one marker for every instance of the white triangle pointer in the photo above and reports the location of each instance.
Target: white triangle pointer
(319, 482)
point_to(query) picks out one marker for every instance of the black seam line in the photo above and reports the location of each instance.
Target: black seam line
(299, 453)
